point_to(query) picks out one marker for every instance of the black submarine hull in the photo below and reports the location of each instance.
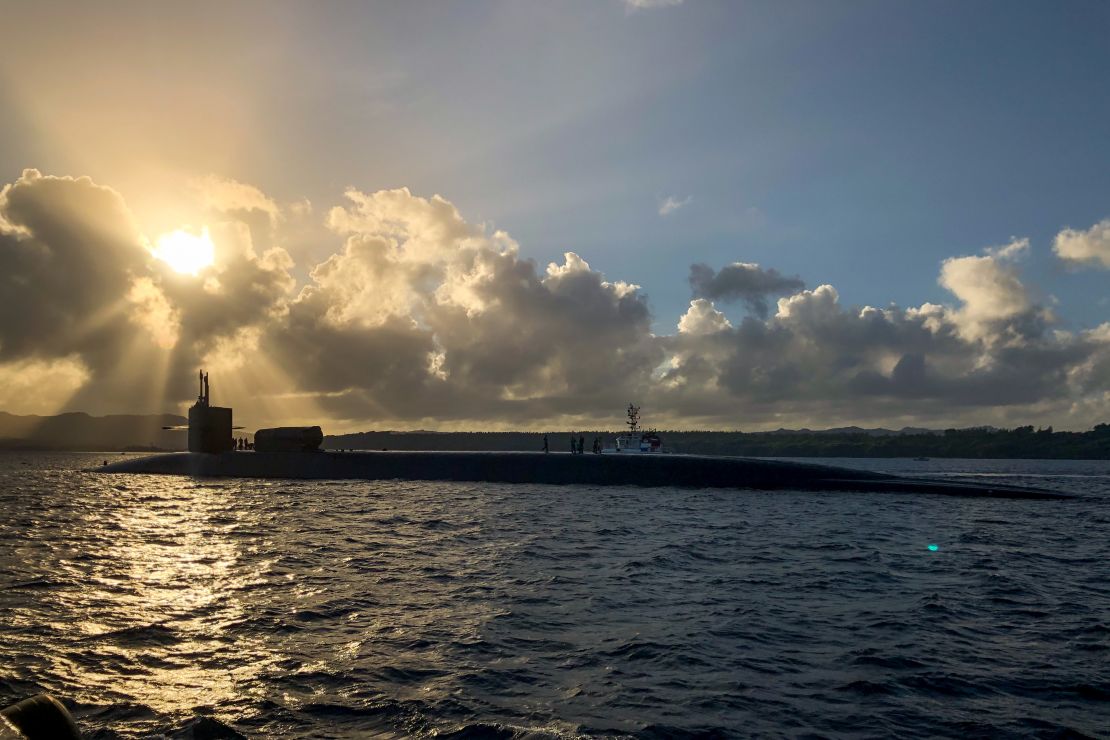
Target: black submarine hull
(653, 470)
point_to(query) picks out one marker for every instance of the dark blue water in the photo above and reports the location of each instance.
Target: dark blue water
(168, 606)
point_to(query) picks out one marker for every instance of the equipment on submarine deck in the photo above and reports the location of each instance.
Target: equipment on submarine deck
(210, 430)
(288, 439)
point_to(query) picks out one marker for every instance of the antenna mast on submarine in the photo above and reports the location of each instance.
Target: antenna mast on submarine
(633, 418)
(203, 398)
(209, 426)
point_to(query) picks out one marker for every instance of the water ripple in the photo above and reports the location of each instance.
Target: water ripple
(228, 608)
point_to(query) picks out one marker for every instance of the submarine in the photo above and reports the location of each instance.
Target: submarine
(295, 453)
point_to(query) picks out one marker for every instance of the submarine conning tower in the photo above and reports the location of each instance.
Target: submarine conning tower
(209, 426)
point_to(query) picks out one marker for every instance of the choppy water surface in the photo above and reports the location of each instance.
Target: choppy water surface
(161, 605)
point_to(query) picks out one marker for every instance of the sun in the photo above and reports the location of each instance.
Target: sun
(185, 252)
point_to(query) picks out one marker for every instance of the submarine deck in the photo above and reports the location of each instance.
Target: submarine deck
(684, 471)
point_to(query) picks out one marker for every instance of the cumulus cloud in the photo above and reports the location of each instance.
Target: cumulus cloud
(741, 281)
(1090, 247)
(993, 354)
(69, 254)
(424, 314)
(997, 306)
(818, 358)
(421, 318)
(702, 318)
(670, 204)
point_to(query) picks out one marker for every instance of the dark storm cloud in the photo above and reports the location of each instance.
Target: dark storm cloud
(68, 251)
(741, 281)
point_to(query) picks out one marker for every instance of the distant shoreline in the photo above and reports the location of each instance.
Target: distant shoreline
(1023, 443)
(136, 433)
(996, 445)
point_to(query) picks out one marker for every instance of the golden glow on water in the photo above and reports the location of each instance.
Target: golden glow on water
(172, 585)
(185, 252)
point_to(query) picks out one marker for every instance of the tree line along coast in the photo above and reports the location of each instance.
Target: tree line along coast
(1022, 442)
(78, 431)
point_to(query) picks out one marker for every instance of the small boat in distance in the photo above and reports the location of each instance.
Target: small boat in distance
(636, 440)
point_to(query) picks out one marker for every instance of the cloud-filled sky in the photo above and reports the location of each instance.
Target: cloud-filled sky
(525, 215)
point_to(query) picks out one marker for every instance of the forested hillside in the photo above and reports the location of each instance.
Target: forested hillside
(1022, 442)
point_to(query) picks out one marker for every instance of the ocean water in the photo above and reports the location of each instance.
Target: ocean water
(161, 606)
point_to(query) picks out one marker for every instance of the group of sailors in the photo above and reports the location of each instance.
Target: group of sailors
(241, 443)
(577, 445)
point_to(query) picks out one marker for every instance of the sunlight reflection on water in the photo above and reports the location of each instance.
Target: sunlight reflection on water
(405, 608)
(165, 590)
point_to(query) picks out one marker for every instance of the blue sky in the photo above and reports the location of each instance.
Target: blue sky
(858, 144)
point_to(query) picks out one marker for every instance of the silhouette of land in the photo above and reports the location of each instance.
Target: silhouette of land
(1023, 442)
(79, 431)
(144, 433)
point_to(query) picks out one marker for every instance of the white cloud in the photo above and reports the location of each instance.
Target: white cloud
(1014, 249)
(990, 289)
(1090, 247)
(702, 318)
(809, 305)
(572, 263)
(670, 204)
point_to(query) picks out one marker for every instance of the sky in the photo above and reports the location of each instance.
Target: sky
(497, 215)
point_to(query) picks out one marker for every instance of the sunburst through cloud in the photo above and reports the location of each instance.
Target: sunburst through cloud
(185, 251)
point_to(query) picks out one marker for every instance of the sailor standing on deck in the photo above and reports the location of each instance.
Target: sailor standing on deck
(545, 443)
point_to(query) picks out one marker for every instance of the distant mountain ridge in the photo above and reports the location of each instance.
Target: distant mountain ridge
(80, 431)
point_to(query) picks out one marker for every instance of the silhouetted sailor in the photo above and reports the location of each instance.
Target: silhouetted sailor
(545, 449)
(581, 445)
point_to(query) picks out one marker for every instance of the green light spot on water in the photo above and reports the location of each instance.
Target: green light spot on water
(933, 548)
